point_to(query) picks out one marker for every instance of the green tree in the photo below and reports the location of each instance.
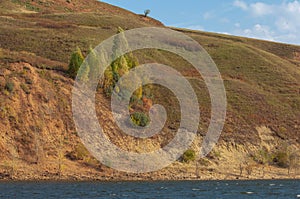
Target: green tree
(75, 62)
(119, 66)
(94, 65)
(83, 73)
(146, 12)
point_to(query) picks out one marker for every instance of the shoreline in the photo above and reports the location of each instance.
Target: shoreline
(140, 178)
(116, 181)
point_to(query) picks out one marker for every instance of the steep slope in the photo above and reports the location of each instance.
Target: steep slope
(37, 135)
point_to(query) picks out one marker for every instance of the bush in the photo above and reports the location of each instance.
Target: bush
(140, 119)
(75, 62)
(189, 155)
(25, 89)
(263, 157)
(281, 158)
(9, 86)
(79, 153)
(294, 161)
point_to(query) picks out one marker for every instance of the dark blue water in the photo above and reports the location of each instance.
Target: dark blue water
(170, 190)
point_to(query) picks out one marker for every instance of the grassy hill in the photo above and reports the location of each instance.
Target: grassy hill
(38, 139)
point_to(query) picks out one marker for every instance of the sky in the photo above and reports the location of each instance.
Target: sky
(274, 20)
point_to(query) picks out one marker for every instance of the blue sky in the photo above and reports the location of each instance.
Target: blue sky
(275, 20)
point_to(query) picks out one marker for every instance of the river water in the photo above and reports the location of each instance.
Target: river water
(161, 189)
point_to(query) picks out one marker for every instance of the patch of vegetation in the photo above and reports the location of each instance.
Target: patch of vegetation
(189, 156)
(79, 153)
(214, 154)
(28, 80)
(139, 102)
(119, 67)
(29, 6)
(9, 86)
(281, 158)
(263, 157)
(17, 1)
(204, 162)
(140, 119)
(25, 88)
(75, 62)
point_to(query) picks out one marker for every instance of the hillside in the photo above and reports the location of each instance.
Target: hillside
(38, 139)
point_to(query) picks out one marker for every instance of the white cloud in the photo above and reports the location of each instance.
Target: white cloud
(195, 27)
(283, 20)
(240, 4)
(224, 20)
(224, 33)
(288, 38)
(289, 17)
(261, 9)
(284, 25)
(293, 7)
(258, 31)
(208, 15)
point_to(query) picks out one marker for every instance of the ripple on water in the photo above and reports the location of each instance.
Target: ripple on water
(272, 185)
(247, 192)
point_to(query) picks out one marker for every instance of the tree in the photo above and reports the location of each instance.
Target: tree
(146, 12)
(119, 66)
(249, 169)
(94, 65)
(83, 74)
(75, 62)
(294, 162)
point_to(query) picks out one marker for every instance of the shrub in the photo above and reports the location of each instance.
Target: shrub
(79, 153)
(189, 155)
(263, 157)
(294, 161)
(9, 86)
(25, 89)
(140, 119)
(281, 158)
(75, 62)
(28, 80)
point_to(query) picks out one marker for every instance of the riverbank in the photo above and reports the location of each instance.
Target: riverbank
(177, 171)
